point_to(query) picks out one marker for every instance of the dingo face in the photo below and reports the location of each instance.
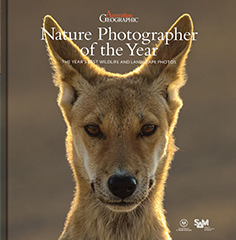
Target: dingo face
(120, 125)
(120, 131)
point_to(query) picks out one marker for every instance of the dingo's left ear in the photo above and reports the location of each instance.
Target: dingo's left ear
(165, 68)
(172, 51)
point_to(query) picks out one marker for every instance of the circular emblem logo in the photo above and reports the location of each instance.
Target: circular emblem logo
(183, 223)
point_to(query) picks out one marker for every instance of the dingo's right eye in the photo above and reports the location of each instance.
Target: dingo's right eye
(93, 130)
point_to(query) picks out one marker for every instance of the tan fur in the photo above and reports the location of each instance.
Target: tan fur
(120, 105)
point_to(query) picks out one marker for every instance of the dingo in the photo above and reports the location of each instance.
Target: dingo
(119, 138)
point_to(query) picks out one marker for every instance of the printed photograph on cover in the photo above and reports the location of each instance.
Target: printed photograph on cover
(121, 120)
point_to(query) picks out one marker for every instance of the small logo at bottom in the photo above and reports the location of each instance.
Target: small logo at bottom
(203, 224)
(183, 222)
(183, 226)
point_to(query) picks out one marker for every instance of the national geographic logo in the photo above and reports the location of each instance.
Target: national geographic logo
(117, 18)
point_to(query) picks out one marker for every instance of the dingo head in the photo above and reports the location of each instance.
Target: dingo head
(120, 125)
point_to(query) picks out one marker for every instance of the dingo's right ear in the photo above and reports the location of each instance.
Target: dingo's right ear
(69, 76)
(62, 51)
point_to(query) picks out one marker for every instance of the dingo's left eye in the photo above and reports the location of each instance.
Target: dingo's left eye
(148, 129)
(93, 130)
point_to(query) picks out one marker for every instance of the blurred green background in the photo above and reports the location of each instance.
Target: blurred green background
(202, 179)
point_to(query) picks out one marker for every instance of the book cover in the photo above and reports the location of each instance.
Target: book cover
(117, 36)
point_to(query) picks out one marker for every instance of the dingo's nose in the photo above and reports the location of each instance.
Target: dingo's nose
(122, 186)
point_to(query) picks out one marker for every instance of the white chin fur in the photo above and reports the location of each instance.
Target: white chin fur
(116, 208)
